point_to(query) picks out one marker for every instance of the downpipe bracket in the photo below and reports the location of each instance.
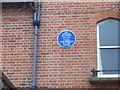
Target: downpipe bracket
(36, 23)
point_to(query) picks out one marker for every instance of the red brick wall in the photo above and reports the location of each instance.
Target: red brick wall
(56, 67)
(17, 43)
(0, 34)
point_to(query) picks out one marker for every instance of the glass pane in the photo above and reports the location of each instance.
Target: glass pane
(108, 32)
(110, 60)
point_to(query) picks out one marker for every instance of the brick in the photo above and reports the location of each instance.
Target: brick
(56, 67)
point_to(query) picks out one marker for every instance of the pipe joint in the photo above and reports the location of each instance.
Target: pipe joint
(36, 23)
(33, 87)
(36, 34)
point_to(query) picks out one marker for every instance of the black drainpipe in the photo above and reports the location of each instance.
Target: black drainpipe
(36, 23)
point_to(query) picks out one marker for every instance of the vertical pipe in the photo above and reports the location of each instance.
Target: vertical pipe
(35, 50)
(38, 18)
(36, 24)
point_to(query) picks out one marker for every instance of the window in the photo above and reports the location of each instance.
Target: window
(108, 48)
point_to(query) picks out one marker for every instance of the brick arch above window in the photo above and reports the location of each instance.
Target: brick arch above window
(107, 14)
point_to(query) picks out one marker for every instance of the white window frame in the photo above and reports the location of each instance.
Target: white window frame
(99, 64)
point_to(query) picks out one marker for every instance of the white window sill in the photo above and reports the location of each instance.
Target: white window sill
(95, 80)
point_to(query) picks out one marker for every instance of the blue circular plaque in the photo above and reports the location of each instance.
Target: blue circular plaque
(66, 38)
